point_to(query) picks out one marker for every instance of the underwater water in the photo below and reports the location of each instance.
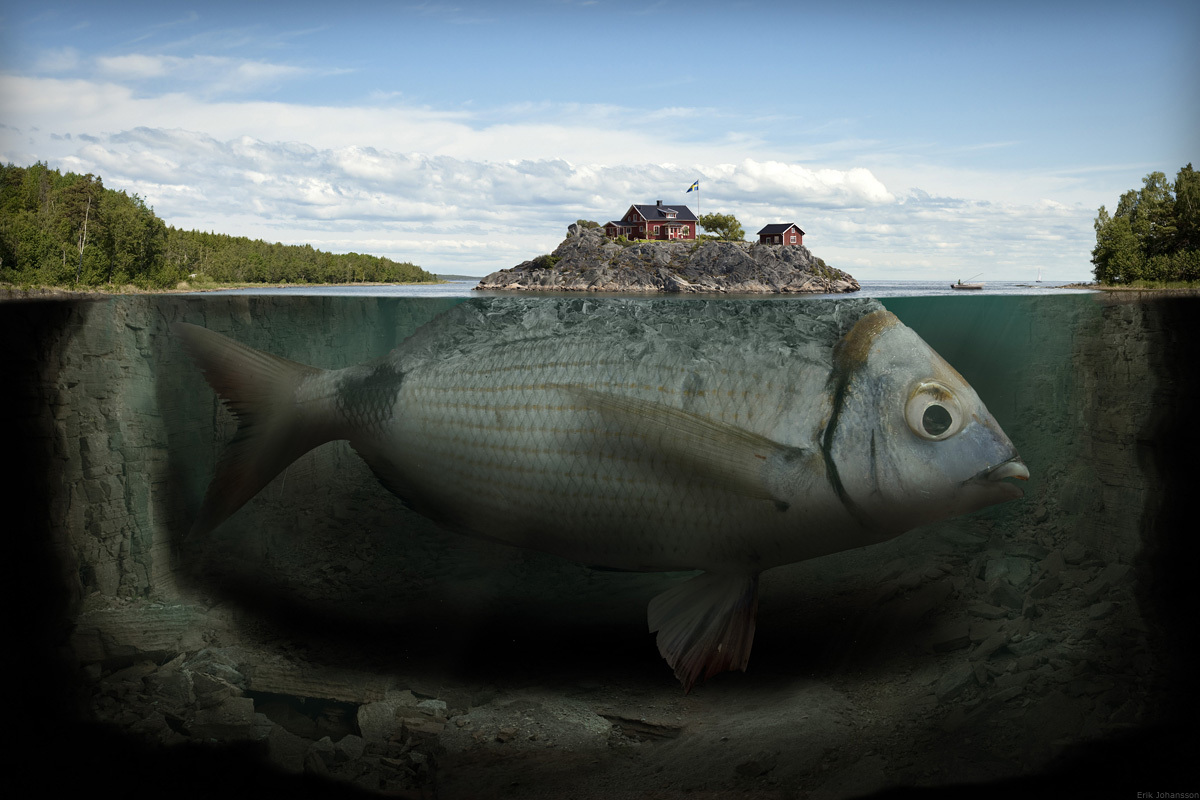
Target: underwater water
(352, 638)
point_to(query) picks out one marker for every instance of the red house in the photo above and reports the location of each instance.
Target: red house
(666, 223)
(781, 233)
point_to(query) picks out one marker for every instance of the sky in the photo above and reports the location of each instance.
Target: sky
(924, 140)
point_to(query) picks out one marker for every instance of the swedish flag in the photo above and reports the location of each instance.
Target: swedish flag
(695, 186)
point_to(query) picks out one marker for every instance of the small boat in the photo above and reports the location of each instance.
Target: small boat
(968, 285)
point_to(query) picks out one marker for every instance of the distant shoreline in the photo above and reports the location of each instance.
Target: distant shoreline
(9, 291)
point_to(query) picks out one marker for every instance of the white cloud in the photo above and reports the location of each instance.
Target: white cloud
(212, 75)
(62, 59)
(135, 66)
(474, 192)
(804, 186)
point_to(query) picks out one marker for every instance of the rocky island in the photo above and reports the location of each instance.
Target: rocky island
(587, 260)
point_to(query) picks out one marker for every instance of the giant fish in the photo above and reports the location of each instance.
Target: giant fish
(717, 435)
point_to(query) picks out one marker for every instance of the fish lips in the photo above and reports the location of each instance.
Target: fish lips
(993, 477)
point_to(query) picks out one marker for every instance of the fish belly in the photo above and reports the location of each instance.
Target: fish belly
(508, 446)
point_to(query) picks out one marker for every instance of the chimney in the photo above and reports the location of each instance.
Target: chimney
(660, 203)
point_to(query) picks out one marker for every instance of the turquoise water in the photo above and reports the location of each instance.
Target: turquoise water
(465, 289)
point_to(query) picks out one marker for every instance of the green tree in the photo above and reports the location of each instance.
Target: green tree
(1187, 209)
(1154, 233)
(59, 229)
(136, 242)
(1153, 215)
(722, 226)
(1117, 256)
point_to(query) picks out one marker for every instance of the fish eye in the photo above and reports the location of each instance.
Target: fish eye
(936, 420)
(933, 412)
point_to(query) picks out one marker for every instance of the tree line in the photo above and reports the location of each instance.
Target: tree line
(1154, 233)
(67, 229)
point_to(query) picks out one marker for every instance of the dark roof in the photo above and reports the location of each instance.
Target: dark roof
(620, 223)
(779, 227)
(655, 212)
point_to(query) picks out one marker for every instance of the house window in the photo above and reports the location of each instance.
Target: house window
(656, 229)
(793, 238)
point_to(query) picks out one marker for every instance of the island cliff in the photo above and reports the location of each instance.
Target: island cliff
(589, 261)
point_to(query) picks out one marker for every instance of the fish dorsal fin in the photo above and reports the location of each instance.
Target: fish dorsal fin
(728, 456)
(706, 625)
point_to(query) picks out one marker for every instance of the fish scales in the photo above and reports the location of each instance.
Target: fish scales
(720, 435)
(609, 496)
(602, 496)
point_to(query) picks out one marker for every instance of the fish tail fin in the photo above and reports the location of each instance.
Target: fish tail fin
(706, 625)
(273, 429)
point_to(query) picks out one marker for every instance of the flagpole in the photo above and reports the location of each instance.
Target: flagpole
(695, 187)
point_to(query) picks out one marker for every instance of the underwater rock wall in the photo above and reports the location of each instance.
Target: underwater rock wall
(1124, 389)
(125, 422)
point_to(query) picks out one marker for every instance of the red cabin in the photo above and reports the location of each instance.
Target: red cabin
(781, 233)
(665, 223)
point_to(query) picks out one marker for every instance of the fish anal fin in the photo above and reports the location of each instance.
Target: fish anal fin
(706, 625)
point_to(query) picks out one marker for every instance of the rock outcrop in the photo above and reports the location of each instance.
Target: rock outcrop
(589, 261)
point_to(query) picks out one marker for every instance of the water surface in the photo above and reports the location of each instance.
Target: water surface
(466, 289)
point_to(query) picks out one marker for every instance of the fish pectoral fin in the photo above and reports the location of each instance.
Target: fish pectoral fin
(730, 457)
(706, 625)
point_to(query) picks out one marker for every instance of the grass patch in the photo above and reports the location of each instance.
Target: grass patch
(545, 262)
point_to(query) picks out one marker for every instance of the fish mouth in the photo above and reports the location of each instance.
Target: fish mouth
(1012, 468)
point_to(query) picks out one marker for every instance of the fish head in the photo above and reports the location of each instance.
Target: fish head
(909, 441)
